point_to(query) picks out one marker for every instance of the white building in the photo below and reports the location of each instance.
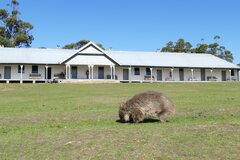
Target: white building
(92, 63)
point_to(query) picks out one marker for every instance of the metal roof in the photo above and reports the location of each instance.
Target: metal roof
(123, 58)
(165, 59)
(34, 55)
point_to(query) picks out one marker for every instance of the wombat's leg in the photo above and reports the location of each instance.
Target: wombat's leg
(137, 116)
(163, 116)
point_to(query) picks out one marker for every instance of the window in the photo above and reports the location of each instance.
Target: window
(34, 69)
(19, 69)
(148, 71)
(136, 71)
(232, 72)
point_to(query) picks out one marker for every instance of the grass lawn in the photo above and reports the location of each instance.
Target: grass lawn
(78, 121)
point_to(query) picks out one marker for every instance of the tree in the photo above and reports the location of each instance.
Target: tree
(212, 48)
(14, 32)
(169, 47)
(79, 44)
(201, 48)
(180, 46)
(219, 51)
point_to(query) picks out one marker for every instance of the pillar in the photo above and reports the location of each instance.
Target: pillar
(230, 73)
(211, 70)
(46, 76)
(21, 66)
(89, 71)
(111, 70)
(114, 72)
(172, 73)
(69, 72)
(92, 70)
(239, 75)
(129, 74)
(192, 70)
(151, 69)
(66, 74)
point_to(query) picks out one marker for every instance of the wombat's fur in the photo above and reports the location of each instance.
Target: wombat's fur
(147, 105)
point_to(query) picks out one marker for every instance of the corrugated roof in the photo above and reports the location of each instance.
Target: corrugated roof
(124, 58)
(34, 55)
(164, 59)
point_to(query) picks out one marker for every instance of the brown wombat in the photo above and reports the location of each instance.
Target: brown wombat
(147, 105)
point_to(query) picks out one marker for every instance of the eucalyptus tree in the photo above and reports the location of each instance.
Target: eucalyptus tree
(179, 46)
(14, 32)
(213, 48)
(79, 44)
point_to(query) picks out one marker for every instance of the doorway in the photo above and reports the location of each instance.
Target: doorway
(7, 72)
(203, 75)
(125, 74)
(159, 75)
(100, 72)
(48, 73)
(224, 76)
(181, 74)
(74, 72)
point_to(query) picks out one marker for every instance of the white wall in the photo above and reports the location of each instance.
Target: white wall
(57, 69)
(1, 72)
(81, 71)
(107, 71)
(166, 74)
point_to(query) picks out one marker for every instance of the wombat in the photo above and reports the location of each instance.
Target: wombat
(147, 105)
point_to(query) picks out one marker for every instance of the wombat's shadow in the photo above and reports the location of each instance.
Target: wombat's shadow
(145, 121)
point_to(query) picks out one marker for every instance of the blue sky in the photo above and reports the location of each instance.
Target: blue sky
(143, 25)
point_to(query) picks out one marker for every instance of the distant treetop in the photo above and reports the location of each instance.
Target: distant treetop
(186, 47)
(79, 44)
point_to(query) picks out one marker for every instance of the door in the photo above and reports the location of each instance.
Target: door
(74, 72)
(159, 75)
(125, 74)
(181, 74)
(224, 76)
(49, 73)
(203, 75)
(7, 72)
(100, 72)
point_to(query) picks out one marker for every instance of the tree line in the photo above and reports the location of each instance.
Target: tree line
(80, 44)
(186, 47)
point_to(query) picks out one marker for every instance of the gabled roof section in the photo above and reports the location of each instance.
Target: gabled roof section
(90, 48)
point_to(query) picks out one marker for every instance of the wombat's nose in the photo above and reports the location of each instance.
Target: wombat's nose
(131, 119)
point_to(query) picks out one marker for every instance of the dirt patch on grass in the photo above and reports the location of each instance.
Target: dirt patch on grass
(5, 88)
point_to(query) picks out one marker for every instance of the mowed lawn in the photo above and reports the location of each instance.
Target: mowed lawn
(78, 121)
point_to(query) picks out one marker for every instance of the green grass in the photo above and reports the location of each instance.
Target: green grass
(74, 121)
